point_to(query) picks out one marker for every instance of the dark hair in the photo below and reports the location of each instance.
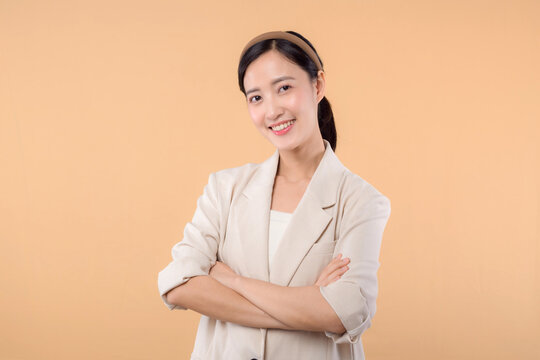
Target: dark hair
(294, 53)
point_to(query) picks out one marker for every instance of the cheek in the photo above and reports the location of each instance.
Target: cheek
(295, 103)
(256, 116)
(301, 103)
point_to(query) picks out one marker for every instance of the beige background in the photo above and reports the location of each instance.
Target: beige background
(113, 114)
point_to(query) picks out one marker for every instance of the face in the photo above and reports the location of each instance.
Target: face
(279, 91)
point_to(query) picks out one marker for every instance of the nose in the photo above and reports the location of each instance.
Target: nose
(273, 108)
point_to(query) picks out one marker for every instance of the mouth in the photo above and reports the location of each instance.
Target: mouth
(282, 125)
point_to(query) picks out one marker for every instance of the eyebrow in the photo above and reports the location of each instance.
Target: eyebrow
(275, 81)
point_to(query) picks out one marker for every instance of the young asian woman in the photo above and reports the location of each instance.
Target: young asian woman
(305, 289)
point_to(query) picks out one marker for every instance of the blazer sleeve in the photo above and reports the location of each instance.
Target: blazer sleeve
(196, 253)
(353, 296)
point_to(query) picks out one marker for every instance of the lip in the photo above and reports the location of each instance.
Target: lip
(283, 131)
(279, 123)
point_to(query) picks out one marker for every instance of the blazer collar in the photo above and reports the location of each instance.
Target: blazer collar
(307, 223)
(323, 184)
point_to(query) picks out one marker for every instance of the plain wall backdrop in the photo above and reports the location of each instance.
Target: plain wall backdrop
(114, 113)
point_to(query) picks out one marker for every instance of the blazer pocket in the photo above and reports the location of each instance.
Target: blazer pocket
(326, 247)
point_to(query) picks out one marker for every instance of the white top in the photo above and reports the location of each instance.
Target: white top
(278, 223)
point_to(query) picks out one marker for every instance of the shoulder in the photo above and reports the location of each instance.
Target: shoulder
(355, 191)
(235, 175)
(229, 182)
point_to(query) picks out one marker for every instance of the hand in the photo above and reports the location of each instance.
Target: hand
(223, 273)
(333, 271)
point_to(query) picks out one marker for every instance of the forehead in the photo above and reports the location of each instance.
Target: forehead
(270, 65)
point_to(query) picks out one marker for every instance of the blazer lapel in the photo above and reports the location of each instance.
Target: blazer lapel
(309, 219)
(256, 218)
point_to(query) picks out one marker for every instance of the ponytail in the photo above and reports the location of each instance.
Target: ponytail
(326, 122)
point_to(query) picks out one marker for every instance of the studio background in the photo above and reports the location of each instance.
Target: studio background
(114, 113)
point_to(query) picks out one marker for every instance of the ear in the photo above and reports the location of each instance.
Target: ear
(319, 85)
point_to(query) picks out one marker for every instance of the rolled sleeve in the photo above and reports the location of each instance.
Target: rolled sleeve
(353, 296)
(196, 253)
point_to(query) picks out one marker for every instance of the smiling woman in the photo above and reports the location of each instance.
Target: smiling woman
(281, 257)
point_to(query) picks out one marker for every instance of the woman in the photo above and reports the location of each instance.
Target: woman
(261, 259)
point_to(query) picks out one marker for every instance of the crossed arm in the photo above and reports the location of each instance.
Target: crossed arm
(227, 296)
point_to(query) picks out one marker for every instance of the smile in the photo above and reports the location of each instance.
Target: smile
(283, 126)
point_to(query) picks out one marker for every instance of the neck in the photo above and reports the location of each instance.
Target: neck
(300, 163)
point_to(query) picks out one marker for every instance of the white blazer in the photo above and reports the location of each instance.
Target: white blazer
(338, 213)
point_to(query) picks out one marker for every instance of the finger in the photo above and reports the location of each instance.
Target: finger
(338, 272)
(335, 278)
(330, 280)
(336, 265)
(338, 275)
(333, 266)
(337, 258)
(326, 278)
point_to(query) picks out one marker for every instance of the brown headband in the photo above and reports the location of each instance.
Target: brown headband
(287, 36)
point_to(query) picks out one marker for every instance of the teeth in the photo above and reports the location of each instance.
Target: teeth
(283, 126)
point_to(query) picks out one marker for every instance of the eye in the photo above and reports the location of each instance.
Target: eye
(285, 86)
(253, 97)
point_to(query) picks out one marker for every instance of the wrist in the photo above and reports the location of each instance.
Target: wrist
(236, 283)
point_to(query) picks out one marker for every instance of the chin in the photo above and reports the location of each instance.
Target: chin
(286, 145)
